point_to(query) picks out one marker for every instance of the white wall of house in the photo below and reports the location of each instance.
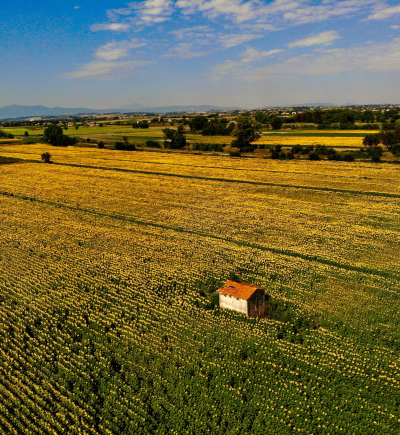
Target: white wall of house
(232, 303)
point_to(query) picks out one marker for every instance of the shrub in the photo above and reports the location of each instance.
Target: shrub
(306, 150)
(376, 158)
(235, 154)
(334, 156)
(121, 146)
(348, 157)
(100, 145)
(297, 149)
(313, 156)
(46, 157)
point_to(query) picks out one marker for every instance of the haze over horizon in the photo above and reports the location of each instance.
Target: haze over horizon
(104, 54)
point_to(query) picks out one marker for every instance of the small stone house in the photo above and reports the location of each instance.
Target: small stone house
(241, 297)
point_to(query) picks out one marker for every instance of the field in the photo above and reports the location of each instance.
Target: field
(108, 133)
(106, 261)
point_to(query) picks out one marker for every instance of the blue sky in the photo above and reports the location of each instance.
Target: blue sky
(247, 53)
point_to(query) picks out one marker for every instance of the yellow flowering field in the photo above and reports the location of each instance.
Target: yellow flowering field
(106, 260)
(353, 142)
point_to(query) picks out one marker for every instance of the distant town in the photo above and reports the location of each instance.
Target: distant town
(91, 118)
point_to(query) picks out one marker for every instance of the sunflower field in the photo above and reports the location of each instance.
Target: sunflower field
(107, 261)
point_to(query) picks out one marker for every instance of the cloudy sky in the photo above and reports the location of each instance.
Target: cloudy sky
(247, 53)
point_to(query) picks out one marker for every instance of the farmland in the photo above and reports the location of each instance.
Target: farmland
(106, 260)
(111, 133)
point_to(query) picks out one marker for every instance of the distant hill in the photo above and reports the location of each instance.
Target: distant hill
(168, 109)
(313, 105)
(17, 111)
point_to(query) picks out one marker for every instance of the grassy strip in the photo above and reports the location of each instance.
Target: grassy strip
(226, 180)
(8, 160)
(288, 253)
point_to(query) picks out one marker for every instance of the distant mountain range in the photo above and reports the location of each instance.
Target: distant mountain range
(16, 111)
(304, 105)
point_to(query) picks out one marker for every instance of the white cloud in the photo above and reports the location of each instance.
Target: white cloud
(111, 26)
(106, 60)
(385, 13)
(320, 38)
(77, 7)
(249, 56)
(268, 14)
(395, 27)
(232, 40)
(103, 69)
(116, 50)
(252, 15)
(236, 9)
(190, 32)
(370, 57)
(145, 12)
(184, 50)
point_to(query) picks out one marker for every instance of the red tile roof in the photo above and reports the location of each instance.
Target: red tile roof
(239, 290)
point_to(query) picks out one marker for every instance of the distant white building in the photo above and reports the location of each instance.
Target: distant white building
(241, 297)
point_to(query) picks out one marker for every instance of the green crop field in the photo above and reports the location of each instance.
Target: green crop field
(108, 264)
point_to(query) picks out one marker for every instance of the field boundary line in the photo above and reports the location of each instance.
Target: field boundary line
(288, 253)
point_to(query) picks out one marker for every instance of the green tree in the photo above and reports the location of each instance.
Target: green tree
(246, 133)
(46, 157)
(276, 123)
(261, 117)
(174, 139)
(54, 135)
(198, 122)
(371, 140)
(26, 134)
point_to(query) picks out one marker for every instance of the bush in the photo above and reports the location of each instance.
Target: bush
(334, 156)
(306, 150)
(376, 158)
(100, 145)
(313, 156)
(214, 299)
(347, 157)
(297, 149)
(121, 146)
(235, 154)
(375, 153)
(46, 157)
